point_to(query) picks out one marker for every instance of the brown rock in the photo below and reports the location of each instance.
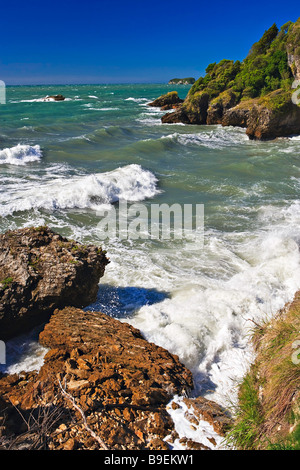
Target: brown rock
(274, 116)
(167, 101)
(237, 116)
(209, 411)
(41, 271)
(124, 394)
(220, 105)
(55, 98)
(192, 111)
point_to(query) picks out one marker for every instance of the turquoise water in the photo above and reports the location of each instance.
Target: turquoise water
(62, 162)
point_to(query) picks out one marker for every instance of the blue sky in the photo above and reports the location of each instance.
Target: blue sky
(128, 41)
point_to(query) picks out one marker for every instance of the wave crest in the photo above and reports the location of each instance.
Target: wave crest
(20, 154)
(129, 183)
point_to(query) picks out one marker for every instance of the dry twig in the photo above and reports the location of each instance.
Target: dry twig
(90, 431)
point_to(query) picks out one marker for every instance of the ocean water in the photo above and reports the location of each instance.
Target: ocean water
(62, 162)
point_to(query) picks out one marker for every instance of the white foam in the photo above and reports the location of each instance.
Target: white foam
(215, 295)
(136, 100)
(214, 139)
(20, 154)
(202, 433)
(129, 183)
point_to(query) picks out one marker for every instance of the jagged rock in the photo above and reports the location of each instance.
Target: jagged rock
(177, 116)
(210, 411)
(120, 381)
(274, 115)
(219, 105)
(238, 115)
(41, 271)
(167, 101)
(192, 111)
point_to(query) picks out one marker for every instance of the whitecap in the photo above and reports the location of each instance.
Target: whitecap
(136, 100)
(20, 154)
(128, 183)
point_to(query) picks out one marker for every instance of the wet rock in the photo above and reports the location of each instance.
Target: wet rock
(54, 98)
(210, 411)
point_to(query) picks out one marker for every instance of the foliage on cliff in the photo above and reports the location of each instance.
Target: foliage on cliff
(257, 93)
(265, 69)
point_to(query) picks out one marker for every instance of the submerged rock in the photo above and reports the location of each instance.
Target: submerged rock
(40, 271)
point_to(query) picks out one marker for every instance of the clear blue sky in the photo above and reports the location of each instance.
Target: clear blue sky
(100, 41)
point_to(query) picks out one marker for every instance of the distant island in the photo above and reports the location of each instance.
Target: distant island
(182, 81)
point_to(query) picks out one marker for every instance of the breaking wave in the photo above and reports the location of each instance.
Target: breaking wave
(20, 154)
(129, 183)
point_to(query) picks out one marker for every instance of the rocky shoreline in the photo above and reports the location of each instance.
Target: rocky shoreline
(102, 385)
(257, 94)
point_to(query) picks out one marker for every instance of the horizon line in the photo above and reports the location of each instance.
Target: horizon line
(87, 83)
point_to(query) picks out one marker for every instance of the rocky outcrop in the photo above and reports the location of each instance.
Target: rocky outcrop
(168, 101)
(274, 116)
(40, 271)
(192, 111)
(102, 385)
(238, 115)
(121, 382)
(218, 106)
(256, 93)
(54, 98)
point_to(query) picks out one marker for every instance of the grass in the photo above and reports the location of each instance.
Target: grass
(246, 430)
(6, 282)
(268, 414)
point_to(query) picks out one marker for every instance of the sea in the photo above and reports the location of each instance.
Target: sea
(62, 163)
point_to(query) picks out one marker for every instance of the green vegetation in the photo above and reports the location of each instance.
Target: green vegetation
(246, 430)
(266, 68)
(218, 77)
(6, 282)
(268, 414)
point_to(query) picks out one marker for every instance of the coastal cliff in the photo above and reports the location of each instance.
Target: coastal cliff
(256, 94)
